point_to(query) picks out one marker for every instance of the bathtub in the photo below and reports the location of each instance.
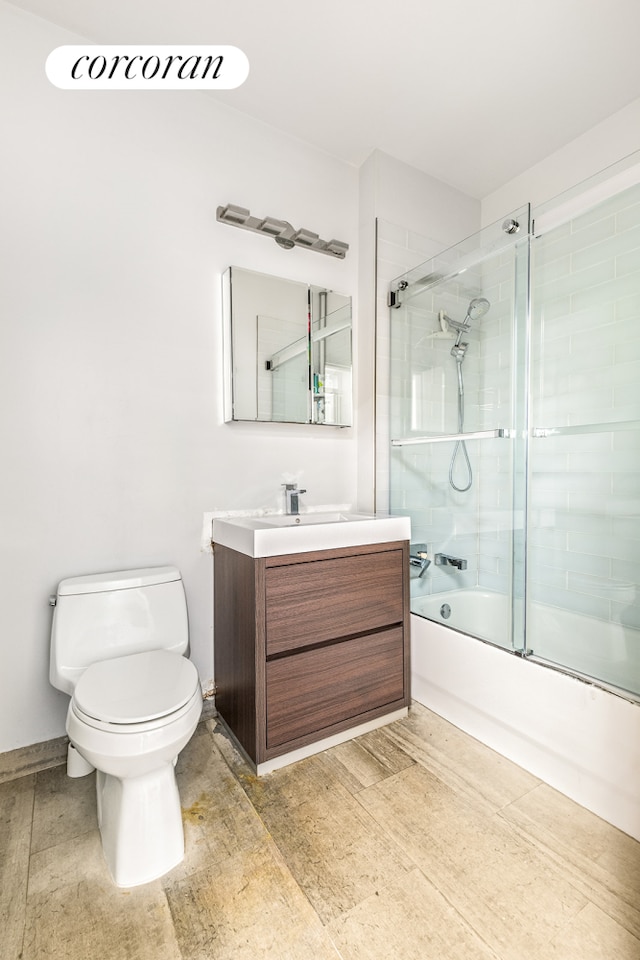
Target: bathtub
(607, 652)
(481, 613)
(575, 735)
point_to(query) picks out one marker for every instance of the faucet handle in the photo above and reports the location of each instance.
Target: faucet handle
(292, 487)
(418, 549)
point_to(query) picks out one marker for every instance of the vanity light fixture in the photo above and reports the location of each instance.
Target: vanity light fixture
(282, 232)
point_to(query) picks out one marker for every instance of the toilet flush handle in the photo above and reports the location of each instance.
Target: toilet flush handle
(53, 600)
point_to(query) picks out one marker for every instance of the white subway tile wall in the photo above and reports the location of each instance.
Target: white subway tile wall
(584, 534)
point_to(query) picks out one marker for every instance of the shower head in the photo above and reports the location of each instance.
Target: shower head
(477, 309)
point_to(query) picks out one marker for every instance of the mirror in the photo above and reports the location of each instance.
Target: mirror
(287, 350)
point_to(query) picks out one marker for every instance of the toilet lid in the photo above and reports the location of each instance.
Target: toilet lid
(136, 688)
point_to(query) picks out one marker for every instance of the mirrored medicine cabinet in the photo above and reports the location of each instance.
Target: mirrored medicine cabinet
(287, 350)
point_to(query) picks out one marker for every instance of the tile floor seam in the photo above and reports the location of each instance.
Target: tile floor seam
(595, 891)
(566, 925)
(511, 830)
(466, 791)
(392, 843)
(553, 859)
(389, 835)
(167, 900)
(473, 798)
(283, 862)
(268, 836)
(519, 798)
(60, 843)
(467, 921)
(524, 822)
(459, 785)
(584, 909)
(233, 773)
(267, 843)
(28, 872)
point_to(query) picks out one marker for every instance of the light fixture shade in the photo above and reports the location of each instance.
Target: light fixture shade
(233, 214)
(337, 248)
(281, 230)
(272, 226)
(305, 238)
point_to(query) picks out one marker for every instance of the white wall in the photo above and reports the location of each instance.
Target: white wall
(112, 434)
(607, 142)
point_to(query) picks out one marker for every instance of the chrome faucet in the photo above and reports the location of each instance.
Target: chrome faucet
(418, 557)
(444, 560)
(292, 498)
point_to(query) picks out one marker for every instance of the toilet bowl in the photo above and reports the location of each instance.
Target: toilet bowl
(134, 751)
(129, 715)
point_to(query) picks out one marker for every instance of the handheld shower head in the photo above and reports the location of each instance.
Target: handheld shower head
(477, 309)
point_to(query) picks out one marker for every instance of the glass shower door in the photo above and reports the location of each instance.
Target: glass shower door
(583, 582)
(457, 416)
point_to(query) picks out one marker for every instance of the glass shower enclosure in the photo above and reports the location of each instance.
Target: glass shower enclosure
(515, 431)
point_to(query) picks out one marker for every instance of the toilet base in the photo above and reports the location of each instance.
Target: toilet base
(77, 766)
(140, 823)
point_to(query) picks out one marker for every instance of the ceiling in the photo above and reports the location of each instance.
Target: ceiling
(472, 92)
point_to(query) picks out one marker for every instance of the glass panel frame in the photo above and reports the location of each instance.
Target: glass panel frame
(428, 324)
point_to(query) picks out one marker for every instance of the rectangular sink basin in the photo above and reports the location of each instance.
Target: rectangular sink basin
(304, 519)
(276, 535)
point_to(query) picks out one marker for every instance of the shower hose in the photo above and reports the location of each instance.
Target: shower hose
(460, 444)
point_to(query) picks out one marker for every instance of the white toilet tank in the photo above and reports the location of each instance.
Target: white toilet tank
(107, 615)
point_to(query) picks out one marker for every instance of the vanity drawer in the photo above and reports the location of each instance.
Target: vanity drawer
(318, 600)
(309, 691)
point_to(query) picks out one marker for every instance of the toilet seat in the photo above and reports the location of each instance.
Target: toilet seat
(141, 691)
(143, 727)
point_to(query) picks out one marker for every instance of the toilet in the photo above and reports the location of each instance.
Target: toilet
(118, 648)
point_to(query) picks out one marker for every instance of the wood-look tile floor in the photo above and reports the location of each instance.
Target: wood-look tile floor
(411, 843)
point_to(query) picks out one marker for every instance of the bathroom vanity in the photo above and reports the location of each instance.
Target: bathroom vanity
(311, 645)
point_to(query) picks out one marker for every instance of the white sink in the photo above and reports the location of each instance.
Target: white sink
(304, 519)
(277, 534)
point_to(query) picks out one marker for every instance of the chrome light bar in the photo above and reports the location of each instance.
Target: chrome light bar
(282, 232)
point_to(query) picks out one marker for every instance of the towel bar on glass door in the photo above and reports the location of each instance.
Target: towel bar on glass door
(613, 426)
(478, 435)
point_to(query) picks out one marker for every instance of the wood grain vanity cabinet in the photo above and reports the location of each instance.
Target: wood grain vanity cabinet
(309, 644)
